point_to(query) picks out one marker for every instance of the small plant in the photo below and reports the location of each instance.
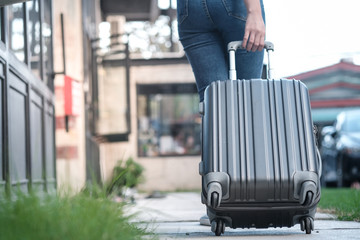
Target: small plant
(76, 217)
(125, 175)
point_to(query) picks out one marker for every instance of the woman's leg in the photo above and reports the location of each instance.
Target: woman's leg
(203, 44)
(230, 18)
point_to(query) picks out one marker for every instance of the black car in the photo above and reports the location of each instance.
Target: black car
(340, 150)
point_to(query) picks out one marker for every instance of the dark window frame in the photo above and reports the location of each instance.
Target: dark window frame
(46, 75)
(99, 136)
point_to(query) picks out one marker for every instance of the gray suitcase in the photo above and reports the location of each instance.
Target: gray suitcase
(260, 165)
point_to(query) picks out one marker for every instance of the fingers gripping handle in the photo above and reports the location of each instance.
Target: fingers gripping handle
(237, 44)
(233, 46)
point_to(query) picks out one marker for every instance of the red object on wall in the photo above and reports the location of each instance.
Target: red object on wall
(72, 96)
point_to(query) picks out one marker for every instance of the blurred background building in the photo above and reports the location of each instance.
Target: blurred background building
(116, 77)
(139, 98)
(332, 89)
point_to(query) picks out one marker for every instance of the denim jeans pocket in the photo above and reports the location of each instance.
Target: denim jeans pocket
(236, 8)
(182, 10)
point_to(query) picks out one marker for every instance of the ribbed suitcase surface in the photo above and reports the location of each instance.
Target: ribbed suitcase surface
(260, 133)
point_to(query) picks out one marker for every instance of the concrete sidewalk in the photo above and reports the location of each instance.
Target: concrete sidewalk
(176, 216)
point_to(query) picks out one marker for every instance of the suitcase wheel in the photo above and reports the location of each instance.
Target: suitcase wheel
(218, 227)
(308, 198)
(307, 225)
(215, 200)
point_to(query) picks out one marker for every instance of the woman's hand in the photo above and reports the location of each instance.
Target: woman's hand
(254, 36)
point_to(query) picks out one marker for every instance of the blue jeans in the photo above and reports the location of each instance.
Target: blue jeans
(205, 29)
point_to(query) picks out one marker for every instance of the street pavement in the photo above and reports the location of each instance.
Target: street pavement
(176, 216)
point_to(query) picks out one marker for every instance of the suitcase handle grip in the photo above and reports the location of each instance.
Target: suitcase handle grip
(238, 44)
(235, 45)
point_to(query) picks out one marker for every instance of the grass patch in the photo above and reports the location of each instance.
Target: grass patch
(344, 203)
(67, 217)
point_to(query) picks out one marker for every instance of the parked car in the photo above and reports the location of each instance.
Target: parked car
(340, 150)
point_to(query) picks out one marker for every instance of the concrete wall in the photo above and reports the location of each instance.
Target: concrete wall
(70, 145)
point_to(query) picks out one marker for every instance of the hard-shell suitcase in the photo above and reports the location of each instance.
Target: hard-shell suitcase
(260, 165)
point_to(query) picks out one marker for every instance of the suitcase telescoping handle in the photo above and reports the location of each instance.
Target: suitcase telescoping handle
(233, 46)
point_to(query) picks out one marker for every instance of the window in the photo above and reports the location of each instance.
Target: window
(47, 46)
(29, 35)
(34, 36)
(168, 120)
(16, 30)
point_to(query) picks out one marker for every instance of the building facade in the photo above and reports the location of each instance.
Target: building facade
(27, 141)
(165, 125)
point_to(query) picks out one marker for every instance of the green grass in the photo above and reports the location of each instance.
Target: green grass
(68, 217)
(344, 203)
